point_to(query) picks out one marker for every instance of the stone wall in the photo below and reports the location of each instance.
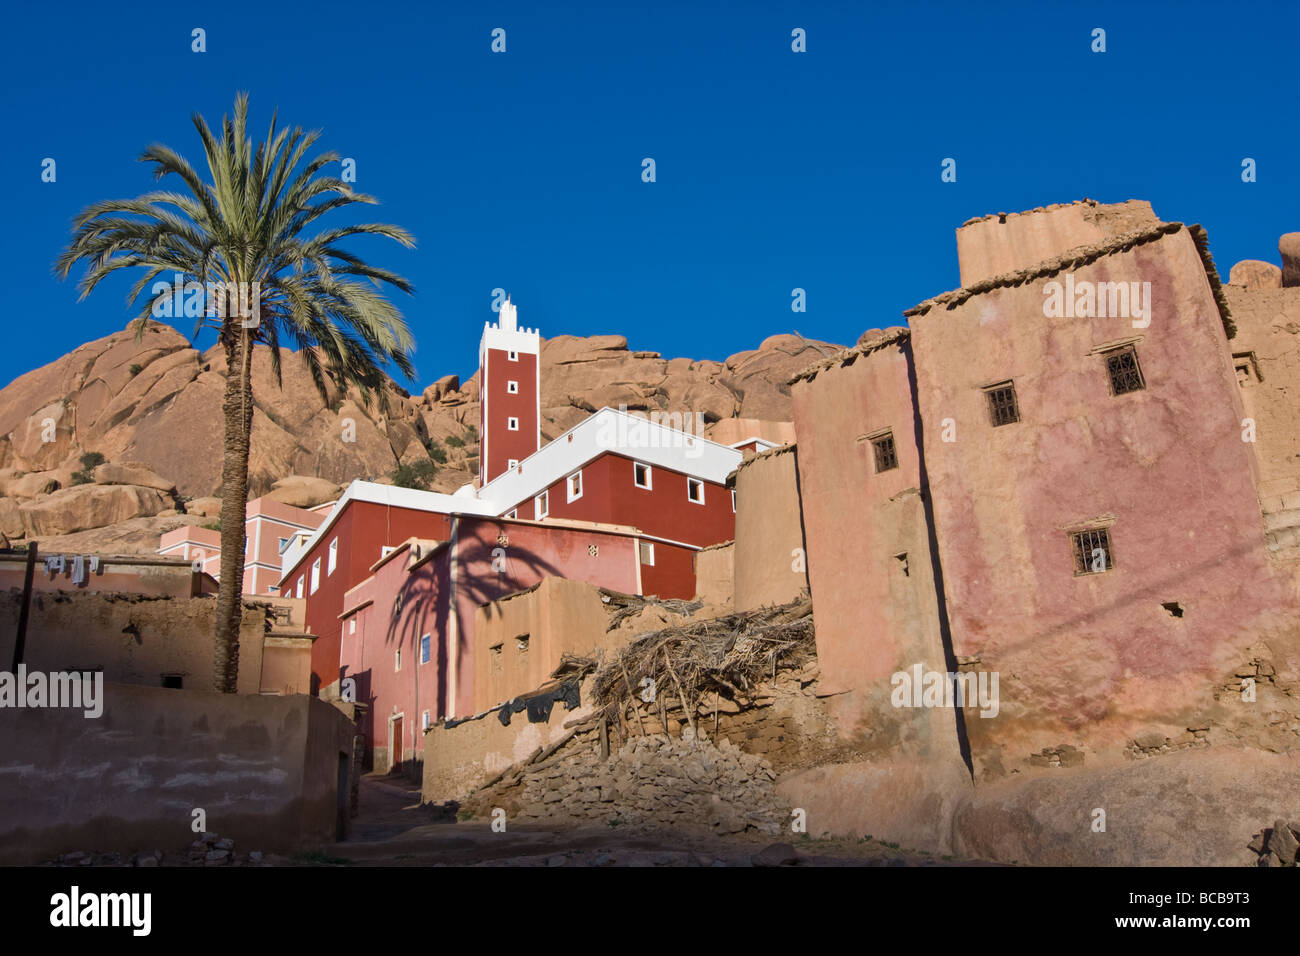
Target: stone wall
(264, 769)
(133, 638)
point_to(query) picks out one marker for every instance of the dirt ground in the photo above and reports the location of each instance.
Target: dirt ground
(393, 829)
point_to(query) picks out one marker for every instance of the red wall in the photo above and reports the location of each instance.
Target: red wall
(363, 529)
(499, 405)
(609, 494)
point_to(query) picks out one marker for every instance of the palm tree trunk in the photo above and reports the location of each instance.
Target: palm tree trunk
(237, 407)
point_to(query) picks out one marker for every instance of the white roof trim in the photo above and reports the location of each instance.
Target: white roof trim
(617, 432)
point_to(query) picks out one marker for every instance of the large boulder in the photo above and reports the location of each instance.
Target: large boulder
(11, 518)
(29, 486)
(1254, 274)
(304, 491)
(90, 506)
(1289, 247)
(130, 473)
(206, 507)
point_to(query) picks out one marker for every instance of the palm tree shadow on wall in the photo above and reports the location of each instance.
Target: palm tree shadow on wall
(422, 605)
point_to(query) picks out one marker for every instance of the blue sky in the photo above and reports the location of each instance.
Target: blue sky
(775, 170)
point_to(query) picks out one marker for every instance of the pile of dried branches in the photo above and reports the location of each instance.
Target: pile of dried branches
(727, 655)
(622, 606)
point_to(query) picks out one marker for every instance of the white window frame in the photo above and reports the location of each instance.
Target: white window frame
(513, 514)
(426, 637)
(650, 550)
(385, 550)
(542, 504)
(512, 355)
(334, 557)
(512, 464)
(733, 501)
(512, 424)
(512, 387)
(698, 482)
(425, 723)
(300, 579)
(568, 485)
(352, 625)
(649, 472)
(315, 576)
(397, 659)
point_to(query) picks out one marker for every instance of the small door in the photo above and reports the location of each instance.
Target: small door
(395, 763)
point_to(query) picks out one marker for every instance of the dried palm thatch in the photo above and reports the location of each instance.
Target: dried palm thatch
(622, 606)
(728, 655)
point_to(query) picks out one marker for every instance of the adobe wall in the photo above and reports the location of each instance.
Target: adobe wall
(769, 551)
(995, 245)
(715, 569)
(159, 577)
(1090, 663)
(559, 616)
(286, 665)
(463, 757)
(134, 638)
(875, 603)
(264, 770)
(1268, 325)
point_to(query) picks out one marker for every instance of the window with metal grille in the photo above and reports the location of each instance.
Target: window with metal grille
(1125, 373)
(1003, 409)
(886, 454)
(1092, 553)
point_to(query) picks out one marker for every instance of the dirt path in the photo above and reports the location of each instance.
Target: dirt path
(393, 829)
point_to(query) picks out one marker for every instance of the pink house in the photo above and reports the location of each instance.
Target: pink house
(407, 637)
(270, 526)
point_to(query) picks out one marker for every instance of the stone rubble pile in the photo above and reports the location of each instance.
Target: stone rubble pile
(209, 849)
(1277, 845)
(654, 781)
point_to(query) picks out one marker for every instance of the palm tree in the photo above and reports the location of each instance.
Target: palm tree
(244, 231)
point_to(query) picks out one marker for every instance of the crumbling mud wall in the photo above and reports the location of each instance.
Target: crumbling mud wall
(132, 638)
(265, 771)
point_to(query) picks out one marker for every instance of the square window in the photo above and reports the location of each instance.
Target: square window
(334, 557)
(512, 464)
(174, 681)
(512, 423)
(1125, 373)
(640, 474)
(885, 453)
(695, 490)
(1092, 553)
(574, 483)
(512, 387)
(512, 355)
(647, 550)
(425, 643)
(542, 504)
(1003, 409)
(385, 551)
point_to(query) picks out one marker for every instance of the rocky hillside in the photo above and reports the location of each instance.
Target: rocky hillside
(151, 409)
